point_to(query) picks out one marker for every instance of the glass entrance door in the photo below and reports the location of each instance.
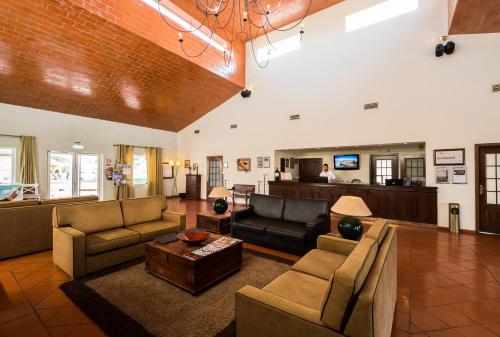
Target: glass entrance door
(88, 172)
(60, 175)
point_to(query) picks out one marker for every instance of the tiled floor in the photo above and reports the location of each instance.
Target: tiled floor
(448, 285)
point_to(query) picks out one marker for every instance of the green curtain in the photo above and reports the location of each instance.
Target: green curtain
(27, 159)
(125, 155)
(155, 174)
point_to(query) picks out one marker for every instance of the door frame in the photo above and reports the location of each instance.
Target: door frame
(395, 165)
(477, 147)
(221, 158)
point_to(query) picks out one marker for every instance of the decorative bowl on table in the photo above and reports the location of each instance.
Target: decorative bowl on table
(193, 238)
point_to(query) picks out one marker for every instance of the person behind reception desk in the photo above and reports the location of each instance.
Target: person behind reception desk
(327, 173)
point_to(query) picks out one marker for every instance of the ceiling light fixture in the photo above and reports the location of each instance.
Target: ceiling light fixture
(233, 20)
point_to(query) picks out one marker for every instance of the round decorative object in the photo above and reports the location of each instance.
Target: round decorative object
(350, 228)
(192, 238)
(220, 206)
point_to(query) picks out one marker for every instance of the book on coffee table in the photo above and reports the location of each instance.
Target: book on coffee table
(213, 247)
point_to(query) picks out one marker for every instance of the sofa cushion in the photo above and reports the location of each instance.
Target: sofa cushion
(140, 210)
(299, 288)
(267, 206)
(149, 230)
(347, 282)
(111, 239)
(256, 221)
(378, 230)
(320, 263)
(288, 231)
(89, 217)
(305, 210)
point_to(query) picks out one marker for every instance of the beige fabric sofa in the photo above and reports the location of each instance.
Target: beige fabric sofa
(343, 288)
(26, 226)
(91, 237)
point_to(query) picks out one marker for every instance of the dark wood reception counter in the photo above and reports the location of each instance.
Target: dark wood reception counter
(405, 203)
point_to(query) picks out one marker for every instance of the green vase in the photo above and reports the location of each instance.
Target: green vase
(350, 228)
(220, 206)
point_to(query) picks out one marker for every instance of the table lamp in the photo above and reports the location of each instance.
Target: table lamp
(350, 227)
(220, 204)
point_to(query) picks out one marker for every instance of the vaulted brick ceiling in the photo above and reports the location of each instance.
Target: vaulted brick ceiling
(115, 60)
(474, 16)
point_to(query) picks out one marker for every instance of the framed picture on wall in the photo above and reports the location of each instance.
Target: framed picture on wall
(226, 164)
(442, 175)
(287, 162)
(187, 164)
(260, 162)
(168, 171)
(443, 157)
(296, 162)
(267, 162)
(459, 175)
(292, 163)
(244, 164)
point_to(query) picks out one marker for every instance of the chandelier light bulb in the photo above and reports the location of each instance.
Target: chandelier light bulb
(245, 16)
(180, 38)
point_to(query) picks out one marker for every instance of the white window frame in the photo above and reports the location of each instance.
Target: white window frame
(76, 172)
(14, 162)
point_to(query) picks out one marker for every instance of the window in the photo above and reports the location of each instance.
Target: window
(280, 48)
(383, 167)
(415, 169)
(140, 167)
(383, 11)
(7, 165)
(74, 174)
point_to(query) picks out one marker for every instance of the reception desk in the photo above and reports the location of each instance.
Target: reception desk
(405, 203)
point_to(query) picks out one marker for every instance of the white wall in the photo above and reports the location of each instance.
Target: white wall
(445, 102)
(57, 132)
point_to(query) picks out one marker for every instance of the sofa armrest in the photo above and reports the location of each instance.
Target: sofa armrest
(241, 214)
(69, 250)
(261, 313)
(178, 218)
(336, 245)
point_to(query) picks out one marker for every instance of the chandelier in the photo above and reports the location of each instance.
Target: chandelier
(233, 20)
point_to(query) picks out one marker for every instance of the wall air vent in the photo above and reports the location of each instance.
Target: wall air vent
(496, 88)
(196, 132)
(234, 126)
(370, 106)
(294, 117)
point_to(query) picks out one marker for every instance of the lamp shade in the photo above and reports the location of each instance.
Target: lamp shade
(351, 206)
(220, 192)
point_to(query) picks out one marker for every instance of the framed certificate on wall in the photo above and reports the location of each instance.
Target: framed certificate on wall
(444, 157)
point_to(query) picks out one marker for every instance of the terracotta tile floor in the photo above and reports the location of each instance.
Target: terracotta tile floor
(448, 285)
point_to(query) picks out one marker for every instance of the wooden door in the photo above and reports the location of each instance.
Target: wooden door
(214, 174)
(310, 168)
(383, 167)
(488, 188)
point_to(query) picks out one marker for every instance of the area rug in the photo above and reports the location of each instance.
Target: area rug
(127, 301)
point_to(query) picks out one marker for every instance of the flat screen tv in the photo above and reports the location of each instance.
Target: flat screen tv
(346, 162)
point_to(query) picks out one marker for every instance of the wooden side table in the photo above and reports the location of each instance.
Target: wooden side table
(213, 222)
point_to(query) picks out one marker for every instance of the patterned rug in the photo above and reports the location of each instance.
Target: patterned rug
(127, 301)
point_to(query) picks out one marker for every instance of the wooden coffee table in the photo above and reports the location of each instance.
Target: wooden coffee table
(213, 222)
(168, 262)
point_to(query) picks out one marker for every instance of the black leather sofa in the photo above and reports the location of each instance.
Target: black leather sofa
(290, 225)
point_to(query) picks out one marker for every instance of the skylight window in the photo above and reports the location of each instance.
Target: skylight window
(280, 48)
(381, 12)
(169, 13)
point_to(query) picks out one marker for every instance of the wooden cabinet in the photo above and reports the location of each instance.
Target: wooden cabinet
(193, 186)
(405, 203)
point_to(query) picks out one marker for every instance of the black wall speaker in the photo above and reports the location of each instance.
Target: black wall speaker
(246, 93)
(447, 49)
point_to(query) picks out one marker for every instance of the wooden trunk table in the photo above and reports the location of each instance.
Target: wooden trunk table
(213, 222)
(168, 261)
